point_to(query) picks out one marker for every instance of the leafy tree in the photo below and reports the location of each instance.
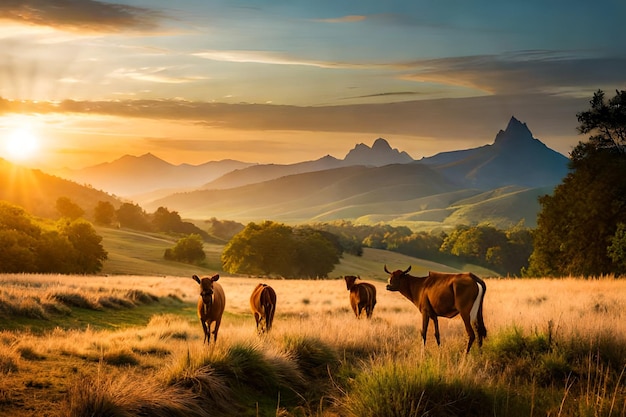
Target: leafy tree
(316, 253)
(617, 248)
(104, 213)
(606, 121)
(164, 220)
(273, 248)
(504, 251)
(67, 208)
(188, 249)
(260, 249)
(87, 244)
(56, 254)
(133, 216)
(25, 246)
(578, 222)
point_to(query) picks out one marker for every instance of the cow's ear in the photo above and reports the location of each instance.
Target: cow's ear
(215, 277)
(195, 278)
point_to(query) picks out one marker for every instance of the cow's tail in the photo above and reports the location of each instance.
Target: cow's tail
(476, 314)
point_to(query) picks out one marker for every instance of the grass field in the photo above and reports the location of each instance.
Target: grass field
(131, 345)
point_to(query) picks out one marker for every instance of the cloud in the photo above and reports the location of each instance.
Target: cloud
(269, 57)
(442, 118)
(152, 74)
(80, 15)
(343, 19)
(521, 72)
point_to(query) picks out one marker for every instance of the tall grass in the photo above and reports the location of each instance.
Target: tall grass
(555, 348)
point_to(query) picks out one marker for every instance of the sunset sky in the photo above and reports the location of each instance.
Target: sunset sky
(84, 81)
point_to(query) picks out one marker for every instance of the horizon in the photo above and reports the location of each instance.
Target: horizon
(86, 82)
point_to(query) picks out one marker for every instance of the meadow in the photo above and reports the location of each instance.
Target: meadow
(132, 345)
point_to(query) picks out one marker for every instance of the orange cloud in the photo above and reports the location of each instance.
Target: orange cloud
(80, 15)
(343, 19)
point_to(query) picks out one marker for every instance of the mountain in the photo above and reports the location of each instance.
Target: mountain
(38, 192)
(149, 173)
(260, 173)
(514, 158)
(497, 183)
(379, 154)
(314, 195)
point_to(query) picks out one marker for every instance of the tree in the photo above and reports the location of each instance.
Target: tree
(133, 216)
(69, 247)
(606, 121)
(578, 221)
(67, 208)
(188, 249)
(104, 213)
(617, 248)
(260, 249)
(272, 248)
(164, 220)
(87, 244)
(316, 253)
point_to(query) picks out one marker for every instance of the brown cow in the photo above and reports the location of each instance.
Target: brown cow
(263, 305)
(444, 295)
(362, 296)
(210, 305)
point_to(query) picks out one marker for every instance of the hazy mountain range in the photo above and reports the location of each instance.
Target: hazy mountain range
(497, 183)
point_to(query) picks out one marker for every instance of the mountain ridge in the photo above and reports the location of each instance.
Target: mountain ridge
(477, 185)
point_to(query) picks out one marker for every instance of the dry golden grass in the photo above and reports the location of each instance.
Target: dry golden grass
(39, 371)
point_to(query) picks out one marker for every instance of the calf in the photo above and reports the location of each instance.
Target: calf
(211, 305)
(362, 296)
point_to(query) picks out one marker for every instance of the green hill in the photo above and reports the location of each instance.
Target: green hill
(139, 253)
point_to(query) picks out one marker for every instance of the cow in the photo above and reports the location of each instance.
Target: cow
(211, 305)
(444, 295)
(362, 296)
(263, 306)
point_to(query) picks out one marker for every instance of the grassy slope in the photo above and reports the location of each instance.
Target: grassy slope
(138, 253)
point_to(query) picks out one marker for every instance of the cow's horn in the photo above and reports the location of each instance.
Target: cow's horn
(407, 270)
(386, 269)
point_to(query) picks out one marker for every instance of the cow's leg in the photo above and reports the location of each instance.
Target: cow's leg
(436, 322)
(469, 329)
(257, 318)
(425, 320)
(217, 327)
(205, 331)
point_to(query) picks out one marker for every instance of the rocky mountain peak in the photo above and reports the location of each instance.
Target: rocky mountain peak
(516, 133)
(379, 154)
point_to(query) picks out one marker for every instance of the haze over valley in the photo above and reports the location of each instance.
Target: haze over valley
(497, 184)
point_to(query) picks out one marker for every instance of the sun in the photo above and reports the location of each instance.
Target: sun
(21, 144)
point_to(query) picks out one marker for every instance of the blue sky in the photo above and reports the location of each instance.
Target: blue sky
(286, 81)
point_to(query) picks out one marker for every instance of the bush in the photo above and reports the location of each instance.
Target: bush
(188, 249)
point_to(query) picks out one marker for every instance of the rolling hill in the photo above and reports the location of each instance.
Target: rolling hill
(38, 192)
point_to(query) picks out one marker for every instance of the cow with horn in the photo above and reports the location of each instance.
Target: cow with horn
(444, 295)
